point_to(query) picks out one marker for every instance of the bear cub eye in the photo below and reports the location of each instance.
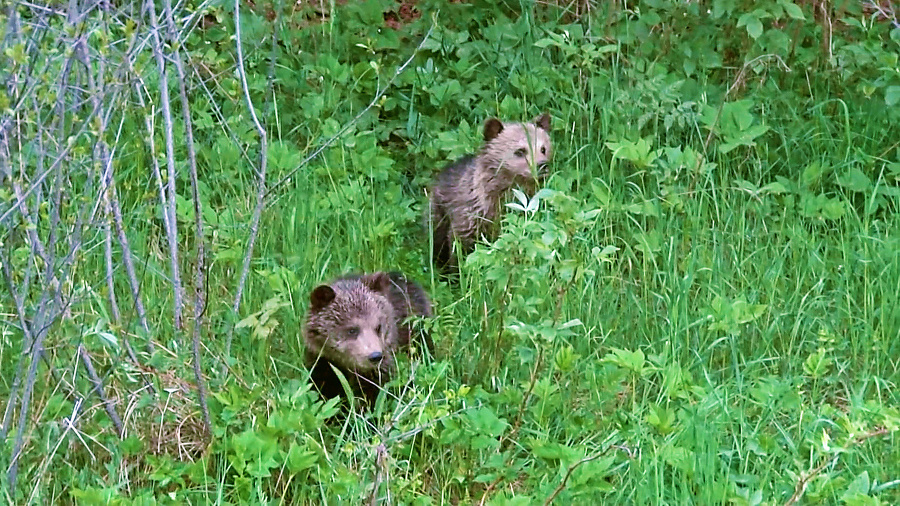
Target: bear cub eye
(378, 329)
(520, 152)
(352, 332)
(543, 150)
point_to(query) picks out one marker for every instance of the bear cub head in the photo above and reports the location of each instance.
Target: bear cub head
(352, 324)
(520, 152)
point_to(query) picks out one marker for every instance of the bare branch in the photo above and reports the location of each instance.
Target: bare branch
(98, 388)
(127, 259)
(199, 289)
(260, 176)
(169, 203)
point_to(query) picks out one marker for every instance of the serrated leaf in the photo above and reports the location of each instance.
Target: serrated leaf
(299, 459)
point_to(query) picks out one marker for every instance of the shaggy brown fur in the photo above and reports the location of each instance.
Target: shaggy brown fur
(357, 323)
(467, 194)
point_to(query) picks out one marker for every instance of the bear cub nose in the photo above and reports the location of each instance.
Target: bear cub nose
(375, 357)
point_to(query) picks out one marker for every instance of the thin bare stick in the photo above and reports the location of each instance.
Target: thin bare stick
(34, 353)
(260, 176)
(200, 270)
(108, 258)
(57, 270)
(380, 464)
(98, 387)
(127, 259)
(102, 152)
(169, 204)
(26, 344)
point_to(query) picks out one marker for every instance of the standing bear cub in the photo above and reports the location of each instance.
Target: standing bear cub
(357, 323)
(467, 194)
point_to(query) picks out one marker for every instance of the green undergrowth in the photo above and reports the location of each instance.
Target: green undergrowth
(699, 307)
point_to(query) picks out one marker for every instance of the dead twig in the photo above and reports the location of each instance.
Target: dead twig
(98, 388)
(200, 264)
(167, 198)
(260, 177)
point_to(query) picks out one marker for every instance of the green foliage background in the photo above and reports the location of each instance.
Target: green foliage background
(700, 307)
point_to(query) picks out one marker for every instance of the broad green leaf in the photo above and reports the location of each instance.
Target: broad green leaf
(892, 95)
(792, 9)
(855, 180)
(752, 23)
(859, 485)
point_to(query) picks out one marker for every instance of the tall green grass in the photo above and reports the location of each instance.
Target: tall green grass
(721, 327)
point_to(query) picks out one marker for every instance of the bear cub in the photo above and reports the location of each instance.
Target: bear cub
(357, 324)
(467, 195)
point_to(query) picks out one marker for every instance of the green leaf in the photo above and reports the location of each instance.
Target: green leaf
(833, 209)
(662, 419)
(631, 360)
(811, 174)
(776, 188)
(132, 445)
(554, 451)
(855, 180)
(753, 24)
(892, 95)
(792, 9)
(817, 364)
(484, 421)
(859, 485)
(299, 459)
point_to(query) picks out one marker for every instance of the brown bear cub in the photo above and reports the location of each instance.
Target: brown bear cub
(467, 194)
(357, 324)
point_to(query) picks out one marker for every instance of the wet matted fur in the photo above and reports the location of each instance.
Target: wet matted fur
(357, 323)
(467, 195)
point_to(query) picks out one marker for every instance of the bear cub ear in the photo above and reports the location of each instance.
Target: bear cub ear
(321, 297)
(492, 129)
(543, 121)
(377, 282)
